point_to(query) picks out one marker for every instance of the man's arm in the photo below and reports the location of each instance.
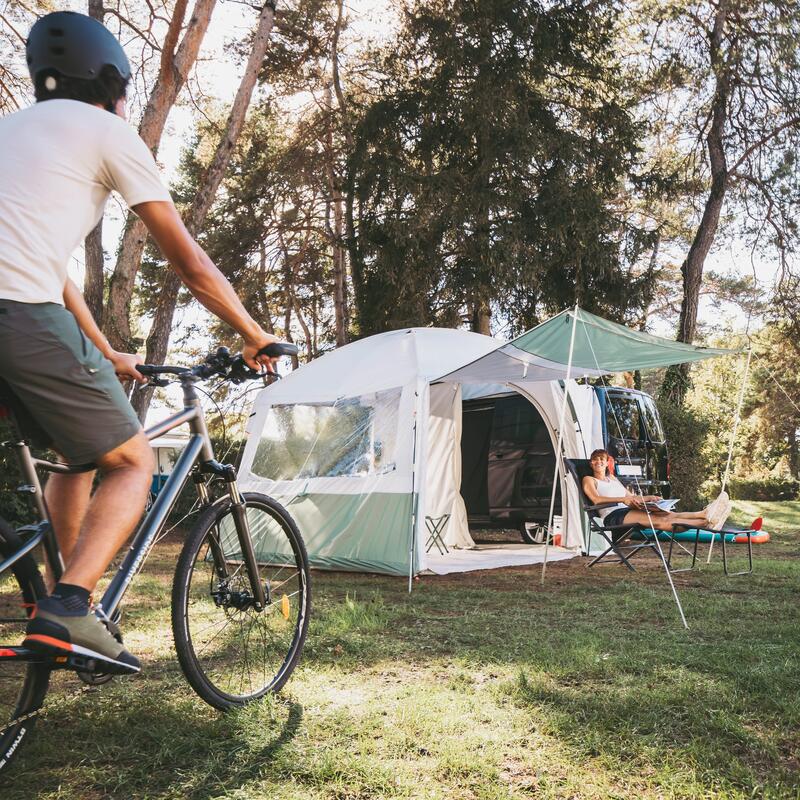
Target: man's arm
(202, 277)
(124, 363)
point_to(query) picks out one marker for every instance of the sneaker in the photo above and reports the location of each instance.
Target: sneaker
(720, 515)
(54, 629)
(715, 506)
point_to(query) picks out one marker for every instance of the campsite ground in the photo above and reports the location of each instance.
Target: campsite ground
(474, 686)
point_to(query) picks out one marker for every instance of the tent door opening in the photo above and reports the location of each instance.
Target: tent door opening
(507, 463)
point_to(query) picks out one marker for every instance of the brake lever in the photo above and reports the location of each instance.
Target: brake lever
(239, 372)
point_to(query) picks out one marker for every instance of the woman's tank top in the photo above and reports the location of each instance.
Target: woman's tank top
(610, 488)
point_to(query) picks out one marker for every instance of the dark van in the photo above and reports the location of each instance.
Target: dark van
(508, 457)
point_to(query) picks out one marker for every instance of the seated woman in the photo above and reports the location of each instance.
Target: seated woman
(604, 488)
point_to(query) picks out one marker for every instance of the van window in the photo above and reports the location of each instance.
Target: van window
(652, 421)
(622, 417)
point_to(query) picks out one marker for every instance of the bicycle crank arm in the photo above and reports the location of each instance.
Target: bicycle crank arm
(21, 654)
(73, 661)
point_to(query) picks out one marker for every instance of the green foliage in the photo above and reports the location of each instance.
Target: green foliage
(488, 166)
(13, 507)
(686, 430)
(771, 488)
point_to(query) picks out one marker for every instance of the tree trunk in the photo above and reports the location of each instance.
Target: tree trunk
(794, 455)
(93, 278)
(158, 340)
(173, 71)
(353, 248)
(93, 244)
(337, 231)
(676, 381)
(481, 317)
(288, 305)
(340, 248)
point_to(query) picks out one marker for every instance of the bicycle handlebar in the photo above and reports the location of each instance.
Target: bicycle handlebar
(221, 363)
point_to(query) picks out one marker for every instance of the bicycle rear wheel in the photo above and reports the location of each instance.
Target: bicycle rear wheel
(22, 686)
(231, 653)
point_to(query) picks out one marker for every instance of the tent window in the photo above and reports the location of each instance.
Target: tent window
(352, 437)
(623, 417)
(652, 422)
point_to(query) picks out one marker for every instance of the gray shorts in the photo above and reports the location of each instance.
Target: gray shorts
(62, 381)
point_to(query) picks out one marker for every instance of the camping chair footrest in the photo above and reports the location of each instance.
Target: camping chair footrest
(723, 540)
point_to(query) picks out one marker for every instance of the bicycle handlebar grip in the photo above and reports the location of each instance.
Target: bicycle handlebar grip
(277, 349)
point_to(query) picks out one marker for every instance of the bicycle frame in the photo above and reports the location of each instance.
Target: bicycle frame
(196, 459)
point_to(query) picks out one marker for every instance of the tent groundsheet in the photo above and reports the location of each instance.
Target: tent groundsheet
(494, 556)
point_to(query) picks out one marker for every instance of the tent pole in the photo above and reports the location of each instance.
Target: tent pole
(414, 507)
(732, 442)
(557, 471)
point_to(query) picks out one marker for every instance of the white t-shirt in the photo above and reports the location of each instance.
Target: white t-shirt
(59, 160)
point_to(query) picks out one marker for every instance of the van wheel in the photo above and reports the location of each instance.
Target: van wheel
(532, 532)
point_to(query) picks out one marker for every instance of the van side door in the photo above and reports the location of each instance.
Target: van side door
(656, 443)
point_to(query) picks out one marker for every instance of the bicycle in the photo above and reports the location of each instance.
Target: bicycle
(241, 594)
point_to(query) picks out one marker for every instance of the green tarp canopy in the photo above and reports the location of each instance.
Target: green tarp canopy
(600, 347)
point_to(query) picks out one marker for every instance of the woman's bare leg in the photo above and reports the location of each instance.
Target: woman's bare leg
(663, 522)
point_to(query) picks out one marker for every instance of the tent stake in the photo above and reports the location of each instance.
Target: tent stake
(557, 471)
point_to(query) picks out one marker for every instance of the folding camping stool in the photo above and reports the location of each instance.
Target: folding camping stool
(436, 526)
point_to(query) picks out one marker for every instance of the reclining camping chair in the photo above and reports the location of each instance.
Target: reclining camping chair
(614, 535)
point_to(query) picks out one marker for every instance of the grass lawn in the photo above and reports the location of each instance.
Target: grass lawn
(474, 686)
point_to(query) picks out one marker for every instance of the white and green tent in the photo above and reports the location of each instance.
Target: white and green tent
(364, 443)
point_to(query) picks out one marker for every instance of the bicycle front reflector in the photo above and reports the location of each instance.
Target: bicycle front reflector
(285, 606)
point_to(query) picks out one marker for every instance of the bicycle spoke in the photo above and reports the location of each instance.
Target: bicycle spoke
(242, 651)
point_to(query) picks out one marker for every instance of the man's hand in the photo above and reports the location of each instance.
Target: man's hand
(125, 366)
(251, 348)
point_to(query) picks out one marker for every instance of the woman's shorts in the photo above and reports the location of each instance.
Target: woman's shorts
(615, 517)
(62, 381)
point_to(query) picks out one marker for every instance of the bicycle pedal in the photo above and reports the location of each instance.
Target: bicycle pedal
(89, 666)
(94, 678)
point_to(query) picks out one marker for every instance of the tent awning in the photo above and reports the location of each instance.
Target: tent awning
(600, 347)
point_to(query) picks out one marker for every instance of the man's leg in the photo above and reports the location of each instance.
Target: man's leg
(63, 622)
(113, 511)
(67, 499)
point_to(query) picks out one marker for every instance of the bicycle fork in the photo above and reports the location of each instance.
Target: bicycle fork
(239, 513)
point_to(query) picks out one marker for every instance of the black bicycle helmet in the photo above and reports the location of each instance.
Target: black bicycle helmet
(74, 45)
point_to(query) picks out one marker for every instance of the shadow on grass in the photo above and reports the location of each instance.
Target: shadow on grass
(136, 739)
(678, 726)
(596, 660)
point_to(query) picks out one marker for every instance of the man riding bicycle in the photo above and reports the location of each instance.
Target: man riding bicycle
(61, 159)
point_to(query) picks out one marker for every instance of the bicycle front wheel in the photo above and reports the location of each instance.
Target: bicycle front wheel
(230, 652)
(22, 686)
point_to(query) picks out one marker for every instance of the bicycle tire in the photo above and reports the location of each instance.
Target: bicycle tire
(18, 702)
(191, 598)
